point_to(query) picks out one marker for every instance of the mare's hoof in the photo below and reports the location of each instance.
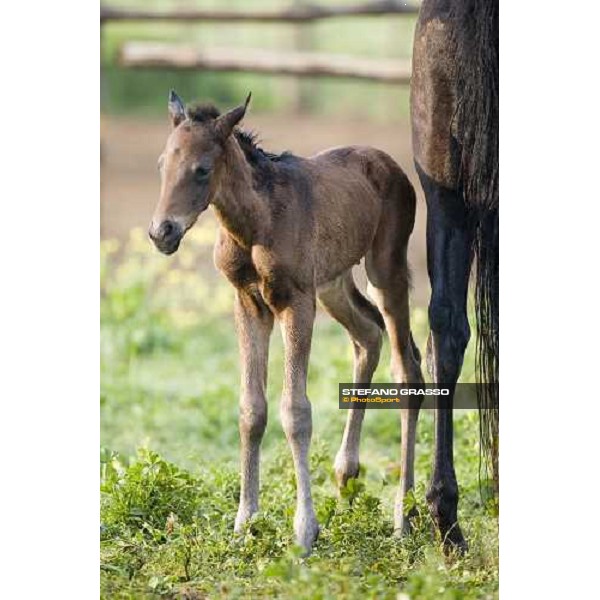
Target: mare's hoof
(454, 542)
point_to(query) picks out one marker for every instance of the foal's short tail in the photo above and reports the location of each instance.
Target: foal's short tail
(368, 307)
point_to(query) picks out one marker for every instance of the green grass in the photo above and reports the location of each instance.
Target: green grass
(169, 481)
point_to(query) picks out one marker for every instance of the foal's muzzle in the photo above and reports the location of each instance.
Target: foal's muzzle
(166, 236)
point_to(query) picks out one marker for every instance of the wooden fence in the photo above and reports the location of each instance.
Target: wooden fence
(304, 13)
(301, 64)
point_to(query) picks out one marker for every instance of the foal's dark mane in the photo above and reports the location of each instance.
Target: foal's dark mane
(268, 168)
(248, 140)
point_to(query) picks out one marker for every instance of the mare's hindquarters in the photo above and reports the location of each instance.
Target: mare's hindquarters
(454, 122)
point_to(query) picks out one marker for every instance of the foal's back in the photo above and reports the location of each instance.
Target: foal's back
(355, 190)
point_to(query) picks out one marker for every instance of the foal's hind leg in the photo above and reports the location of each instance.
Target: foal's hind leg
(387, 270)
(343, 301)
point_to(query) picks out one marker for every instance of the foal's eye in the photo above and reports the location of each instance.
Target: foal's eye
(201, 173)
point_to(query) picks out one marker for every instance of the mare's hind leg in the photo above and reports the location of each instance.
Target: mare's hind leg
(344, 302)
(387, 270)
(449, 254)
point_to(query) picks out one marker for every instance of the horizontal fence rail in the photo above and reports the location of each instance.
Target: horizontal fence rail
(304, 64)
(294, 14)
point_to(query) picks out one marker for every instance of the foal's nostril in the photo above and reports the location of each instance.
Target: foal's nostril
(166, 236)
(167, 229)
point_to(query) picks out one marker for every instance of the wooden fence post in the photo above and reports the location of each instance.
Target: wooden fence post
(304, 41)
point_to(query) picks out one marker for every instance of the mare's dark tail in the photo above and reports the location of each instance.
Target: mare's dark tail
(475, 40)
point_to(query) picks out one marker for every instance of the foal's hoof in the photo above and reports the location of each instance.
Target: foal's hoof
(307, 532)
(402, 527)
(404, 518)
(345, 470)
(243, 516)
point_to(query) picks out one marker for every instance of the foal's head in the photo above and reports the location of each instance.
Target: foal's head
(189, 169)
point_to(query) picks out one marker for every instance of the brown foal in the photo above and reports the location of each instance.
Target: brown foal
(291, 229)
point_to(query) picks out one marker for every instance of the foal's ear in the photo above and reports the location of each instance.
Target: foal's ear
(225, 123)
(176, 109)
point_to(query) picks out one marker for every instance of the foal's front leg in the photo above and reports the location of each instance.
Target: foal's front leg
(254, 324)
(296, 326)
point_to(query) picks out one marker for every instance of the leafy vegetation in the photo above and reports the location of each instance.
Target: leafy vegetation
(169, 479)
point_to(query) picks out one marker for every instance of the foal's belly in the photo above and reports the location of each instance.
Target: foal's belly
(346, 224)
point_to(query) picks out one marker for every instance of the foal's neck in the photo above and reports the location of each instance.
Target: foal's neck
(240, 210)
